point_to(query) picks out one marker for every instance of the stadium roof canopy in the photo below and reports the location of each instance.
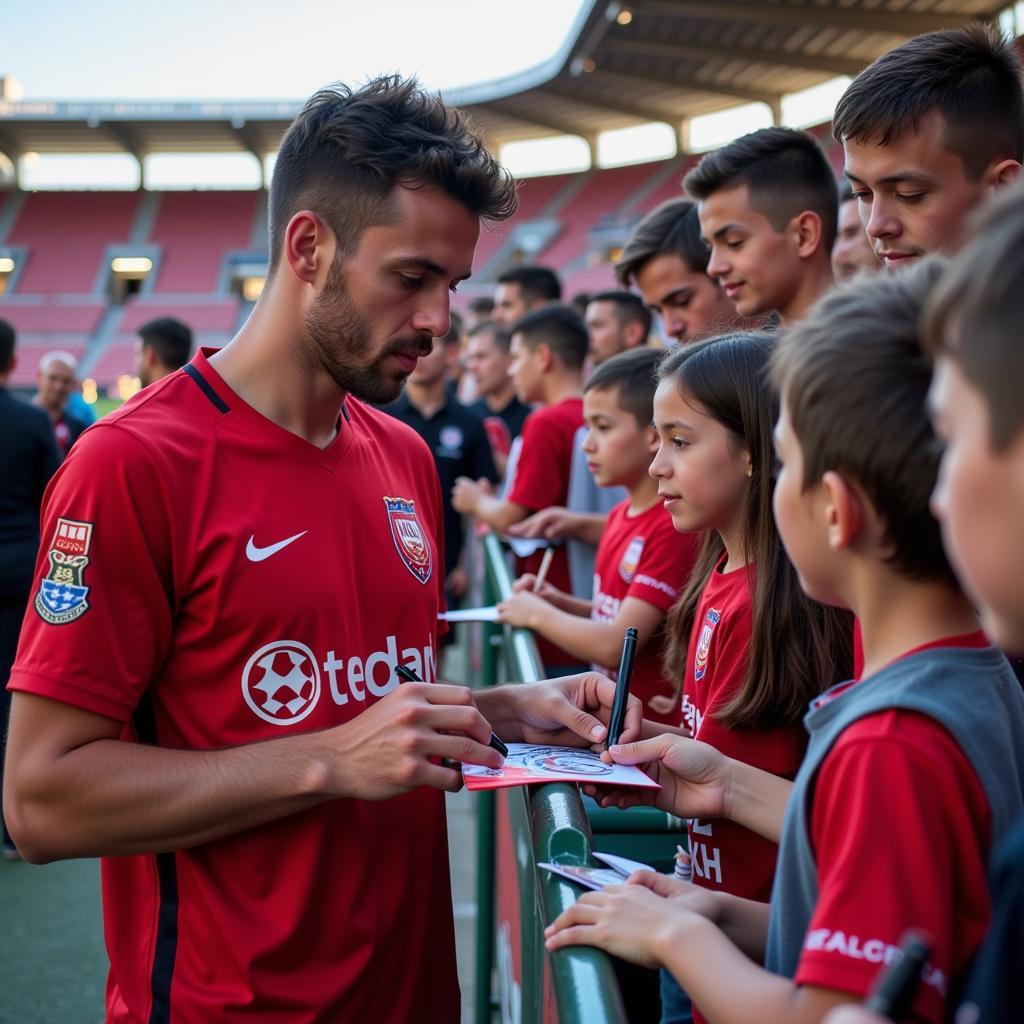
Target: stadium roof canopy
(624, 63)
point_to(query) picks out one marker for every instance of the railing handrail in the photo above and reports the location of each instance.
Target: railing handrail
(586, 989)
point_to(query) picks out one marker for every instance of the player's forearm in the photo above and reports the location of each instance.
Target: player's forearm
(756, 799)
(586, 527)
(110, 797)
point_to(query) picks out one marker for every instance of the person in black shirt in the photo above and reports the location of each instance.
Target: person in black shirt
(28, 458)
(488, 360)
(458, 442)
(56, 381)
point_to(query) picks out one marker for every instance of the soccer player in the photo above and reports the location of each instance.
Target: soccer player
(522, 290)
(233, 565)
(768, 209)
(667, 260)
(930, 129)
(165, 345)
(852, 252)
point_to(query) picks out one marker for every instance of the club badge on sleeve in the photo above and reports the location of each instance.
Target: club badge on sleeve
(409, 539)
(63, 595)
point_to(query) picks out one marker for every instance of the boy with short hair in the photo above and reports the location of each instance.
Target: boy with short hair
(768, 208)
(929, 130)
(913, 771)
(549, 347)
(642, 562)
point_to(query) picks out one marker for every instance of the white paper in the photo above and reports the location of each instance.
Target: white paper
(591, 877)
(529, 763)
(523, 547)
(470, 615)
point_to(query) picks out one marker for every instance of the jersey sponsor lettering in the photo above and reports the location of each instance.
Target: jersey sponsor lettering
(705, 859)
(408, 537)
(875, 951)
(63, 596)
(605, 607)
(693, 717)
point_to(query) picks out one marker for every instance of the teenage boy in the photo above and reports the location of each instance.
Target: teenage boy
(642, 562)
(768, 208)
(930, 129)
(852, 254)
(522, 290)
(549, 347)
(912, 772)
(616, 322)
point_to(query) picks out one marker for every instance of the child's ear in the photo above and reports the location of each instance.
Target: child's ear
(807, 233)
(545, 356)
(843, 509)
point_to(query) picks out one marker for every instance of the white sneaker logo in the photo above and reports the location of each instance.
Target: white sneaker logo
(255, 554)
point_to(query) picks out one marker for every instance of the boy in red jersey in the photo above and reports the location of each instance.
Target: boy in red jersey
(549, 347)
(642, 562)
(912, 772)
(930, 130)
(234, 566)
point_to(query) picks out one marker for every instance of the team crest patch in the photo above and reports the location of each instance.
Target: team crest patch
(63, 595)
(412, 545)
(631, 559)
(700, 664)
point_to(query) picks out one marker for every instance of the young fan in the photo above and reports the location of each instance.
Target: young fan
(768, 209)
(911, 773)
(642, 562)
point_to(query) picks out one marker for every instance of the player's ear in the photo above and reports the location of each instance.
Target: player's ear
(309, 246)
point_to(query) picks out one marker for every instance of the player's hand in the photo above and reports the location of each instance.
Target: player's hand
(624, 920)
(387, 750)
(694, 777)
(466, 494)
(523, 608)
(572, 711)
(528, 581)
(553, 523)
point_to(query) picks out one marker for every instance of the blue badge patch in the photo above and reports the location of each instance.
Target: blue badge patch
(63, 595)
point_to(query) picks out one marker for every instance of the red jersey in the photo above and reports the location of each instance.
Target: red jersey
(542, 480)
(211, 579)
(726, 856)
(644, 557)
(904, 779)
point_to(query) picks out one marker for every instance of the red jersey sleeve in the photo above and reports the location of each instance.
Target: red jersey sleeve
(100, 616)
(665, 565)
(901, 830)
(542, 473)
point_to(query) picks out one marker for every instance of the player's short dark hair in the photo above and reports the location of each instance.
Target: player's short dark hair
(536, 284)
(349, 148)
(974, 314)
(482, 305)
(634, 376)
(561, 328)
(785, 172)
(170, 339)
(855, 381)
(629, 308)
(672, 228)
(498, 334)
(970, 76)
(7, 339)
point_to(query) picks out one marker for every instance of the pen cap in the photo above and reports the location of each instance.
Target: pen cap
(632, 632)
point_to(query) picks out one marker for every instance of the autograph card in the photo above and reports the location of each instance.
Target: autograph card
(617, 871)
(528, 763)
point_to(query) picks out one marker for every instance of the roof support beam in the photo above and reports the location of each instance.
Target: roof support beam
(251, 143)
(130, 142)
(748, 54)
(10, 149)
(693, 84)
(892, 22)
(507, 109)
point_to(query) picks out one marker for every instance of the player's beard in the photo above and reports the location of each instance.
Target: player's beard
(341, 341)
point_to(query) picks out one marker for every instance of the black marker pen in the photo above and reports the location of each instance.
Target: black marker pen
(618, 719)
(896, 985)
(410, 677)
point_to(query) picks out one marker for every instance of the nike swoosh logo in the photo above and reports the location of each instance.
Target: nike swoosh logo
(255, 554)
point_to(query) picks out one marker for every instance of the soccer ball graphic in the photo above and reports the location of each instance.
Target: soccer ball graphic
(281, 682)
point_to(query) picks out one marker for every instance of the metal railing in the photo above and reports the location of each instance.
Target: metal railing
(516, 829)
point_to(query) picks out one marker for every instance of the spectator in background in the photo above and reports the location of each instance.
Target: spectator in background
(616, 321)
(768, 208)
(852, 252)
(165, 345)
(666, 260)
(522, 290)
(454, 368)
(487, 362)
(457, 440)
(78, 407)
(28, 458)
(930, 130)
(56, 380)
(481, 309)
(579, 302)
(549, 347)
